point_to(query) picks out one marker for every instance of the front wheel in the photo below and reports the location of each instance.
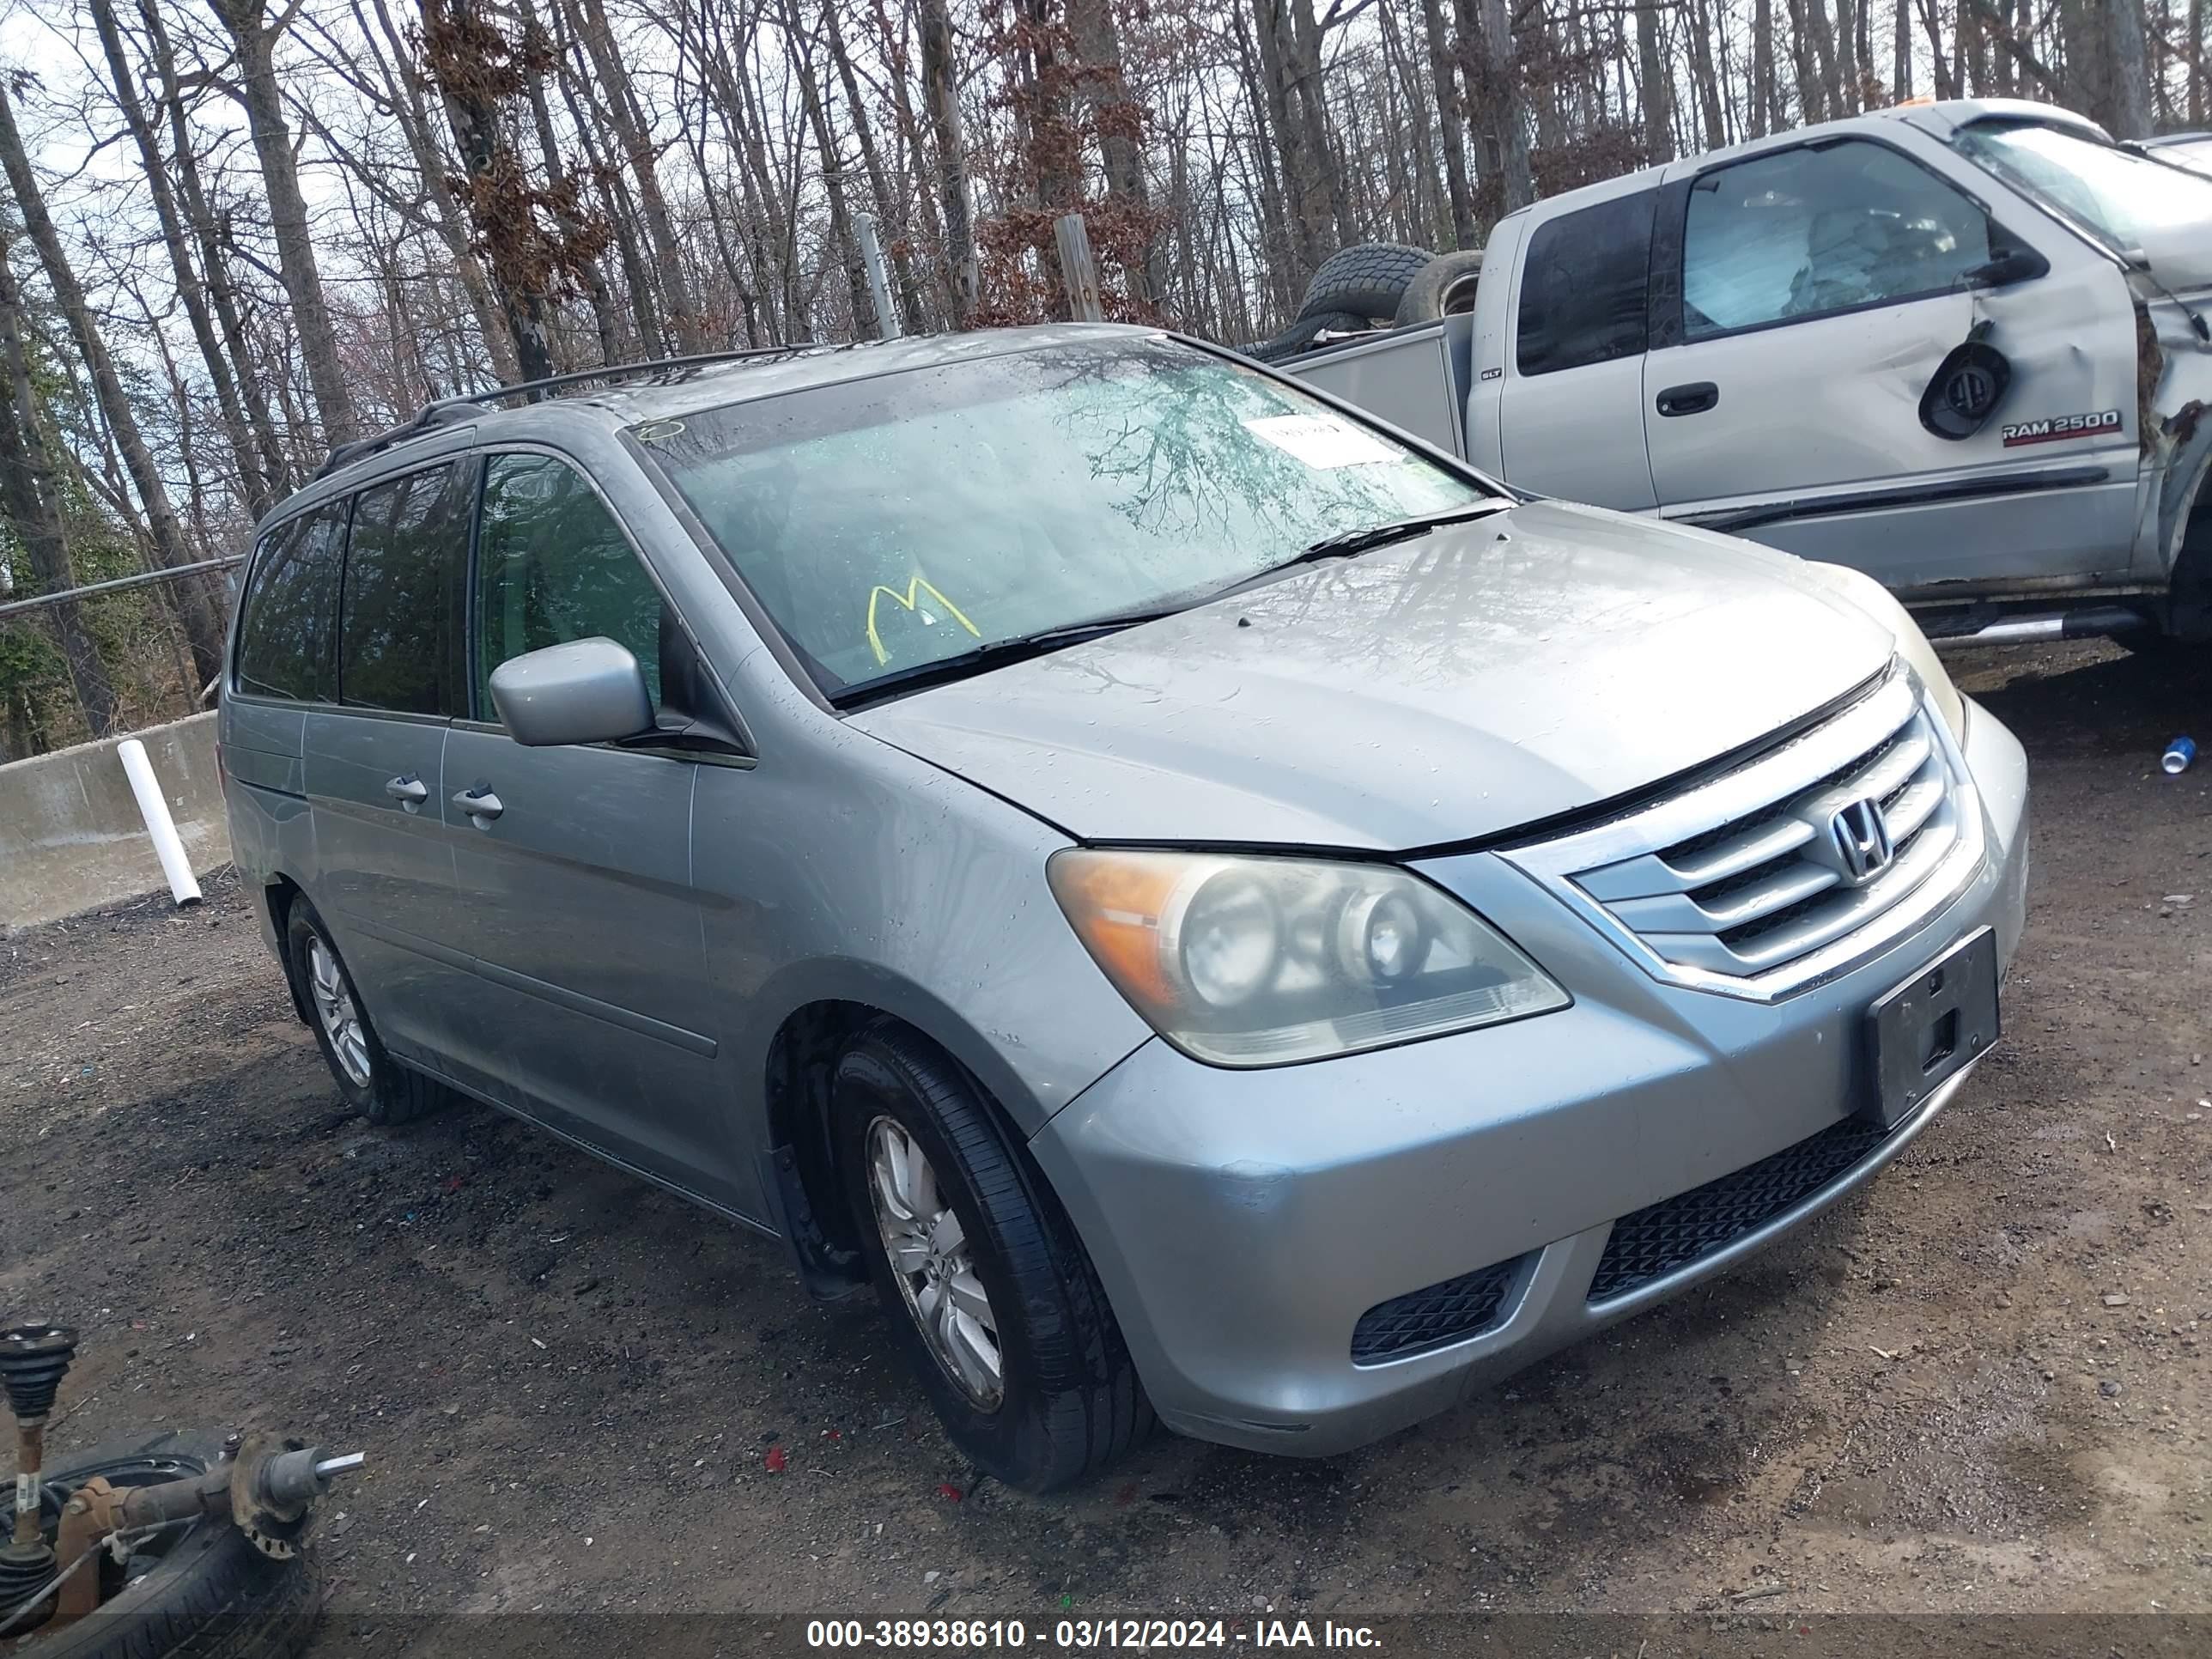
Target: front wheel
(994, 1302)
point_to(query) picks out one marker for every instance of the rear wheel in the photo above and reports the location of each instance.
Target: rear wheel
(373, 1083)
(994, 1302)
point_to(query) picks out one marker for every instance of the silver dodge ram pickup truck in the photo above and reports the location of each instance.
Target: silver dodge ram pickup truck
(1961, 346)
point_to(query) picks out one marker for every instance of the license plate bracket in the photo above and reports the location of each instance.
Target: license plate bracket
(1923, 1033)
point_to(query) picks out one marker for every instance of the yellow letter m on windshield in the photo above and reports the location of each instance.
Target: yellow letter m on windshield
(912, 601)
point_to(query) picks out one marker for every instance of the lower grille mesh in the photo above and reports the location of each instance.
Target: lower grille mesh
(1420, 1320)
(1667, 1236)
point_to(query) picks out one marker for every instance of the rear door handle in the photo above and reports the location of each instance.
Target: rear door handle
(410, 792)
(479, 804)
(1694, 398)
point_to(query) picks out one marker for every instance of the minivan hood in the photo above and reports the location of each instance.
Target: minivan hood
(1474, 679)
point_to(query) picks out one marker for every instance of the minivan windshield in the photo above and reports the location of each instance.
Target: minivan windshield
(2121, 198)
(903, 520)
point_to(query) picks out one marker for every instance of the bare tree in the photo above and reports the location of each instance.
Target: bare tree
(33, 505)
(253, 41)
(203, 618)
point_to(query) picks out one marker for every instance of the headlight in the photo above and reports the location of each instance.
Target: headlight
(1264, 961)
(1877, 601)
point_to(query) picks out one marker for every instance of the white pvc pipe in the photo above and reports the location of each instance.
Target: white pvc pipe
(154, 809)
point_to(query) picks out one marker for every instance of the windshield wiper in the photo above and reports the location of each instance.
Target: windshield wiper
(998, 654)
(1350, 544)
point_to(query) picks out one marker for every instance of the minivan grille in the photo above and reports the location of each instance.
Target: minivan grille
(1665, 1238)
(1754, 879)
(1446, 1312)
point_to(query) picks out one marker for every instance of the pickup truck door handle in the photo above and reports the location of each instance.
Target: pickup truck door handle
(1695, 398)
(409, 791)
(479, 804)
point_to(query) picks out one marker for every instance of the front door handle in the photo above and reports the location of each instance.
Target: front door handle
(410, 792)
(1694, 398)
(479, 804)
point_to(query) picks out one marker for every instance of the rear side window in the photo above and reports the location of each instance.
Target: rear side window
(1808, 233)
(401, 637)
(1585, 288)
(289, 612)
(553, 566)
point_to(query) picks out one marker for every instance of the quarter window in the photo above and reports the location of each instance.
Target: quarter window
(1808, 233)
(400, 631)
(1584, 292)
(289, 611)
(553, 566)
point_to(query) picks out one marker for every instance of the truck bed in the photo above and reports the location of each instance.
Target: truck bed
(1415, 377)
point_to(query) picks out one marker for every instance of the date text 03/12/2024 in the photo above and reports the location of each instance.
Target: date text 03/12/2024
(1085, 1635)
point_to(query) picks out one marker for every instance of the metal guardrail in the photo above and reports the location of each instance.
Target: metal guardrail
(144, 578)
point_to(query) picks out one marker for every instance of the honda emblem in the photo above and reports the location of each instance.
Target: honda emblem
(1861, 837)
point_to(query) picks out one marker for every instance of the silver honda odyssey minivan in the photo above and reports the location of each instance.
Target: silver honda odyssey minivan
(1215, 909)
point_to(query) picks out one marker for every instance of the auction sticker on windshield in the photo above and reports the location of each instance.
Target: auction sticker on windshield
(1320, 442)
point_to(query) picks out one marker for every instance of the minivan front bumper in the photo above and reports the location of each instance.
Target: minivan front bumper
(1244, 1222)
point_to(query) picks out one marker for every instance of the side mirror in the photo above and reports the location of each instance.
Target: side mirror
(585, 691)
(2015, 265)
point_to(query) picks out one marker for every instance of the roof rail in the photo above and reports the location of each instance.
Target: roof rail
(446, 410)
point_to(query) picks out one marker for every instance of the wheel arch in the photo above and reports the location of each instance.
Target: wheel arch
(819, 1015)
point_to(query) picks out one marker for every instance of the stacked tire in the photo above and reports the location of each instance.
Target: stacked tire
(1375, 285)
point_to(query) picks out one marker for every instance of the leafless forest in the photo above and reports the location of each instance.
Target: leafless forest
(237, 232)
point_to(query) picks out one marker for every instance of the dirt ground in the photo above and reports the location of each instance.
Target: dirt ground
(1980, 1387)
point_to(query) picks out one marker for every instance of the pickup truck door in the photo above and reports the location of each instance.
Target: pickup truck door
(1571, 374)
(1803, 298)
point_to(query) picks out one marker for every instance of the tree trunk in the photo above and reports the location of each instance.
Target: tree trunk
(1701, 70)
(800, 56)
(1657, 86)
(887, 205)
(1824, 57)
(499, 207)
(1901, 69)
(2129, 107)
(627, 119)
(1494, 96)
(276, 465)
(1120, 122)
(1812, 97)
(33, 507)
(401, 89)
(1765, 95)
(256, 46)
(1465, 232)
(1847, 62)
(253, 482)
(963, 282)
(203, 616)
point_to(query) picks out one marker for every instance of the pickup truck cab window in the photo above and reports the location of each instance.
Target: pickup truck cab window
(1584, 292)
(1810, 231)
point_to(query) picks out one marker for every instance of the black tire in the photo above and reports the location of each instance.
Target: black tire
(392, 1094)
(1071, 1401)
(1367, 279)
(1444, 285)
(210, 1594)
(1303, 335)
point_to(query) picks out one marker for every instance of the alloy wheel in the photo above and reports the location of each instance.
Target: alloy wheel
(334, 1007)
(929, 1255)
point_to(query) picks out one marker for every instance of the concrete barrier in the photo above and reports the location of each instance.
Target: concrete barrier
(70, 835)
